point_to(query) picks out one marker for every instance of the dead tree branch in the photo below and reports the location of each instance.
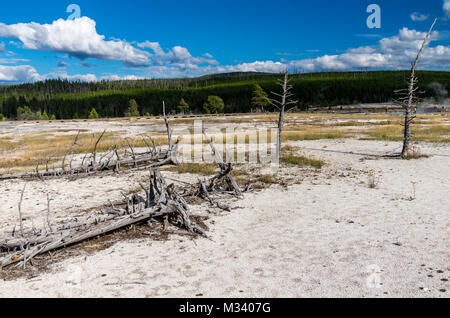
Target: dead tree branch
(280, 104)
(408, 97)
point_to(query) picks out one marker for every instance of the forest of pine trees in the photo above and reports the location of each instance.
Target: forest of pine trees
(66, 100)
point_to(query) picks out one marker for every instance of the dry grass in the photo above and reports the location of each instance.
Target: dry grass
(372, 180)
(22, 152)
(204, 169)
(28, 149)
(314, 134)
(290, 158)
(267, 179)
(438, 133)
(415, 153)
(301, 161)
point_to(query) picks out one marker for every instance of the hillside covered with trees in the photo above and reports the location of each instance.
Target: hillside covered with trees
(62, 99)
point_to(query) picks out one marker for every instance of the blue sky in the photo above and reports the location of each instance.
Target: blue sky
(147, 39)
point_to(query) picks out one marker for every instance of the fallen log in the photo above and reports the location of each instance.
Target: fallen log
(163, 201)
(91, 165)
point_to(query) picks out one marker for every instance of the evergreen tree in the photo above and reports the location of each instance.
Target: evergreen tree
(260, 98)
(25, 113)
(183, 107)
(93, 114)
(53, 117)
(133, 109)
(214, 104)
(44, 116)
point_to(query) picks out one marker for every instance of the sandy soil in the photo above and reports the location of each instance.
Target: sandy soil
(330, 236)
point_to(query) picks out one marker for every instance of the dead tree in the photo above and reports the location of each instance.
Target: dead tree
(94, 163)
(408, 97)
(281, 104)
(161, 200)
(162, 203)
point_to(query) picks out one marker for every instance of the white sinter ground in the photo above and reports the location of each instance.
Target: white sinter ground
(329, 236)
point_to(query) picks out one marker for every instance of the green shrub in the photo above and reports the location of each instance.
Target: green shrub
(25, 113)
(214, 104)
(260, 98)
(44, 116)
(93, 114)
(133, 109)
(183, 107)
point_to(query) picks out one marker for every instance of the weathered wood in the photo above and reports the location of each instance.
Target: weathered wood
(20, 209)
(410, 98)
(224, 168)
(152, 158)
(141, 160)
(280, 105)
(63, 167)
(168, 203)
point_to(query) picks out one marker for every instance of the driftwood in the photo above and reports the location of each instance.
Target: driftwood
(162, 202)
(109, 161)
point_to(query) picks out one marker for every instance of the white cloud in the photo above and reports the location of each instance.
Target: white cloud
(396, 52)
(446, 7)
(178, 55)
(12, 61)
(405, 40)
(115, 77)
(76, 77)
(258, 66)
(172, 71)
(22, 73)
(77, 38)
(416, 16)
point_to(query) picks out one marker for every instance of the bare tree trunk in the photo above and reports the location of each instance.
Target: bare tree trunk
(281, 106)
(280, 132)
(412, 88)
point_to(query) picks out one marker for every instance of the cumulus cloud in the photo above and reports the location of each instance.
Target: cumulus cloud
(115, 77)
(446, 7)
(416, 16)
(178, 56)
(78, 38)
(65, 75)
(171, 71)
(21, 73)
(394, 52)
